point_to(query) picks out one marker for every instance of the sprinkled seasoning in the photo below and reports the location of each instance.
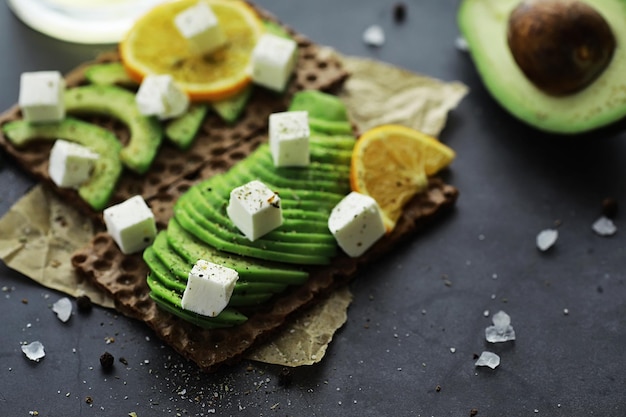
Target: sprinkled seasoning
(106, 361)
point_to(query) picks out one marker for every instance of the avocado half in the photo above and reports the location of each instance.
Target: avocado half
(484, 24)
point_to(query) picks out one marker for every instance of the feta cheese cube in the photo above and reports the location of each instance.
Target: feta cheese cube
(158, 95)
(200, 27)
(255, 209)
(70, 164)
(273, 61)
(289, 138)
(41, 96)
(356, 223)
(209, 288)
(131, 224)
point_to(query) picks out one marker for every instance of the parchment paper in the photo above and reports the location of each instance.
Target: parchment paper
(40, 232)
(377, 93)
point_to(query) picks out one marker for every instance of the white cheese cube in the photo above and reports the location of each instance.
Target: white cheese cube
(289, 138)
(273, 61)
(255, 209)
(41, 96)
(70, 164)
(209, 288)
(356, 223)
(131, 224)
(159, 96)
(200, 27)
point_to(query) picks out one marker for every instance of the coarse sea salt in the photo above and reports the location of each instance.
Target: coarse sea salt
(34, 351)
(489, 359)
(63, 309)
(374, 35)
(546, 239)
(461, 44)
(501, 331)
(604, 226)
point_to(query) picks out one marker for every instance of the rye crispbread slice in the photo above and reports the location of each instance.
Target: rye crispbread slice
(124, 278)
(217, 147)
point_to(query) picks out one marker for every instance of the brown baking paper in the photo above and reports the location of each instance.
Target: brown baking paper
(378, 93)
(40, 232)
(37, 238)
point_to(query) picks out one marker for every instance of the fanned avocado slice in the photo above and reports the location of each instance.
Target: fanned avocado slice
(190, 249)
(484, 25)
(146, 132)
(327, 113)
(170, 301)
(201, 229)
(98, 189)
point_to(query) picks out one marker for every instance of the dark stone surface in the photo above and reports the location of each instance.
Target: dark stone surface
(393, 357)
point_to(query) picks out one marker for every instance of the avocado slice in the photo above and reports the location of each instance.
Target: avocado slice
(146, 133)
(327, 114)
(182, 130)
(484, 25)
(98, 189)
(109, 73)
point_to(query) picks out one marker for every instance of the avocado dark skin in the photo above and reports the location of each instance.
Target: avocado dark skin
(562, 46)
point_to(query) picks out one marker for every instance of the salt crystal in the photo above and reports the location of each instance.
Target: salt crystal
(501, 331)
(461, 44)
(34, 351)
(63, 309)
(501, 320)
(546, 239)
(489, 359)
(604, 226)
(374, 36)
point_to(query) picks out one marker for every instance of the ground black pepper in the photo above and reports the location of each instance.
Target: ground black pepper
(285, 378)
(84, 304)
(106, 361)
(399, 12)
(609, 207)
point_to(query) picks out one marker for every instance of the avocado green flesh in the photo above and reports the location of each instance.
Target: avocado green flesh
(231, 108)
(483, 24)
(320, 105)
(202, 229)
(109, 73)
(245, 293)
(211, 207)
(146, 133)
(170, 301)
(98, 189)
(190, 249)
(182, 130)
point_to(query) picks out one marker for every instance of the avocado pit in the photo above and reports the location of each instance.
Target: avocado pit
(561, 46)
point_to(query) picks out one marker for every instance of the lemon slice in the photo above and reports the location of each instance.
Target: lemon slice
(391, 163)
(155, 46)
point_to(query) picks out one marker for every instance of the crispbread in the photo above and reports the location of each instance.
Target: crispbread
(124, 278)
(217, 147)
